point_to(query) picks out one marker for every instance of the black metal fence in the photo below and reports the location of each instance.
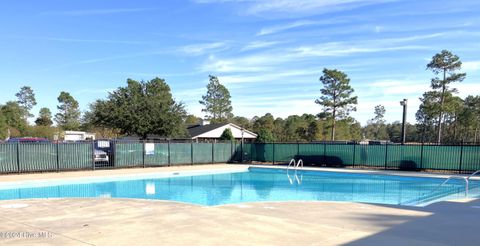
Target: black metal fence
(33, 157)
(22, 157)
(461, 158)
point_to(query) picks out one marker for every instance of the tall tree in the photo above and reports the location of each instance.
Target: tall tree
(26, 100)
(337, 99)
(192, 120)
(376, 126)
(470, 118)
(241, 121)
(427, 114)
(446, 65)
(141, 108)
(44, 117)
(217, 102)
(14, 117)
(265, 136)
(68, 117)
(264, 127)
(379, 112)
(227, 135)
(3, 127)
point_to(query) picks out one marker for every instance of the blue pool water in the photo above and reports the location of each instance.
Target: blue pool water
(259, 184)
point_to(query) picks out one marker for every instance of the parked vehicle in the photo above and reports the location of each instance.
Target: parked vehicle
(100, 156)
(104, 149)
(28, 140)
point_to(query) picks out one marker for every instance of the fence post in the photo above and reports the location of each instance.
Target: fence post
(421, 156)
(58, 161)
(213, 152)
(324, 153)
(298, 149)
(354, 147)
(231, 151)
(115, 156)
(273, 151)
(168, 152)
(93, 154)
(386, 155)
(18, 156)
(241, 149)
(461, 158)
(143, 153)
(251, 152)
(191, 152)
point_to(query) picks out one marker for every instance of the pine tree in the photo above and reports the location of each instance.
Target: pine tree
(337, 99)
(217, 102)
(445, 64)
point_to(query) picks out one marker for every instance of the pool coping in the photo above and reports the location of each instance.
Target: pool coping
(370, 171)
(183, 171)
(116, 177)
(41, 179)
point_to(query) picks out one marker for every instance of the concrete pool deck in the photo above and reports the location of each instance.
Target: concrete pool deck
(106, 221)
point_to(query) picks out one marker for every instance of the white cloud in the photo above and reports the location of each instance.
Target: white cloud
(259, 44)
(253, 63)
(471, 65)
(287, 26)
(336, 49)
(295, 7)
(399, 87)
(269, 60)
(278, 107)
(466, 89)
(278, 77)
(200, 49)
(308, 5)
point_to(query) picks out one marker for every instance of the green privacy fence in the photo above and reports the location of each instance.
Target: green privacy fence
(34, 157)
(132, 154)
(38, 157)
(459, 158)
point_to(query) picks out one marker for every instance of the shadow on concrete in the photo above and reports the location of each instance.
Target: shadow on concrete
(451, 223)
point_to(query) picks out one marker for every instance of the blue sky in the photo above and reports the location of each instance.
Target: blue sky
(269, 54)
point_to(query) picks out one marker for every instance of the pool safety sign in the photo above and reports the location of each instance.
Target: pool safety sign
(149, 148)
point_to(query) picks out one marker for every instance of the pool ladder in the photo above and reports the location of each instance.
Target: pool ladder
(295, 166)
(466, 179)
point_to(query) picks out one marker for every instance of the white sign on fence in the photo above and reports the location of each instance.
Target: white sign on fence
(149, 148)
(103, 144)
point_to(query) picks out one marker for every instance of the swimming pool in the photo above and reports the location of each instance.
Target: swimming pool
(251, 185)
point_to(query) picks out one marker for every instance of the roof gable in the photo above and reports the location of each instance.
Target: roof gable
(215, 130)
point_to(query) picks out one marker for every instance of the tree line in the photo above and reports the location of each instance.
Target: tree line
(142, 108)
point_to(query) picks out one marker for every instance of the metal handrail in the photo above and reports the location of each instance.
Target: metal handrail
(289, 164)
(300, 161)
(473, 174)
(295, 165)
(455, 177)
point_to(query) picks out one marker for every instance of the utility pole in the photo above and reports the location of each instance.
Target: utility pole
(404, 120)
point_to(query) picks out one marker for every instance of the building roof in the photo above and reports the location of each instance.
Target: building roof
(197, 130)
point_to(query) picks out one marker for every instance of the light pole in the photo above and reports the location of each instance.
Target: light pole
(404, 121)
(241, 147)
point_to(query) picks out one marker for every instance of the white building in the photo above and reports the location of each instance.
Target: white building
(72, 136)
(214, 131)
